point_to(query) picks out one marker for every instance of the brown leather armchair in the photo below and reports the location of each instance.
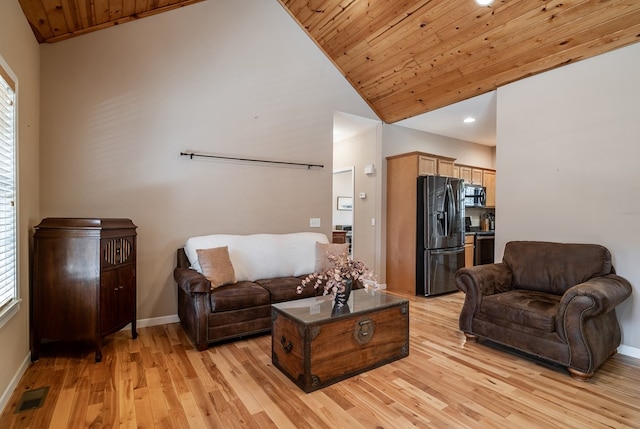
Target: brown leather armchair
(552, 300)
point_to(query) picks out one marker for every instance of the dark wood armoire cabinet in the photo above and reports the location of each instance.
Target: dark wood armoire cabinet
(84, 280)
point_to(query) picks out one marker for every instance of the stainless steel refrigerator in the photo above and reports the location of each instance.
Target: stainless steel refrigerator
(440, 234)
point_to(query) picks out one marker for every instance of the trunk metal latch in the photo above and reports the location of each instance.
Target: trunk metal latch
(363, 331)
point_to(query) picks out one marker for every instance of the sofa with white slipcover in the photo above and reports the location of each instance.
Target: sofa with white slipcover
(227, 283)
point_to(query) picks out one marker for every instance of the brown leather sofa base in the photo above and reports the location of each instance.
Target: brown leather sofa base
(228, 312)
(555, 301)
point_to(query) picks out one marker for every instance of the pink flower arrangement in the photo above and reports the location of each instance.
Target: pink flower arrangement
(334, 279)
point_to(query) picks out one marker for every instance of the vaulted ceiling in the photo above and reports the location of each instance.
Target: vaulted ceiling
(55, 20)
(407, 57)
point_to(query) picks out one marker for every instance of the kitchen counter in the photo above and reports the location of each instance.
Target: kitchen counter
(477, 231)
(485, 233)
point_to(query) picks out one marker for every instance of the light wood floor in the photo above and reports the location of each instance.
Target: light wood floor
(161, 381)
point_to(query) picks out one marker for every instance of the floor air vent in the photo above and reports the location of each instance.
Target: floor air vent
(32, 399)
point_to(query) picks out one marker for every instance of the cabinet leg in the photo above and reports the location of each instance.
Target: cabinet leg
(134, 332)
(99, 349)
(35, 351)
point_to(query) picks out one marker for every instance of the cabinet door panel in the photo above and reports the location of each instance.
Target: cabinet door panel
(476, 176)
(445, 168)
(468, 250)
(427, 166)
(489, 182)
(65, 288)
(127, 298)
(465, 174)
(109, 297)
(117, 298)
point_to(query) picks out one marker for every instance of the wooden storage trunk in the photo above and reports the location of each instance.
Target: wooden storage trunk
(315, 349)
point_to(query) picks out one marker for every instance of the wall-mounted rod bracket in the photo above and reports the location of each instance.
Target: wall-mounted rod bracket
(263, 161)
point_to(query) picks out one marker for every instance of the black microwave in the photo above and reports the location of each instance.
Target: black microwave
(474, 195)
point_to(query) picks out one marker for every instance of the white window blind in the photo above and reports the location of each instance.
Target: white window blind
(8, 286)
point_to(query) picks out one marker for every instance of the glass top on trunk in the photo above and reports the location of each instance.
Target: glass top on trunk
(320, 308)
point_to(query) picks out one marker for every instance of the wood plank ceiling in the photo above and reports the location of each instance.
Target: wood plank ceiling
(55, 20)
(407, 57)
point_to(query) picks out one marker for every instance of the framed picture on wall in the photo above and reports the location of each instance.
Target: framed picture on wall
(345, 203)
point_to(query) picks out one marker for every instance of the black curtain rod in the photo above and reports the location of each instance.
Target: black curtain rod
(299, 164)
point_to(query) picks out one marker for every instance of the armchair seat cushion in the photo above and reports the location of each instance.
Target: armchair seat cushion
(519, 308)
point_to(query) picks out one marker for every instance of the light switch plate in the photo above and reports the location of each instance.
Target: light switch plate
(314, 222)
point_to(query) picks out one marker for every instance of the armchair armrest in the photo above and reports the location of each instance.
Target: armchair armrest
(477, 282)
(586, 320)
(593, 298)
(484, 279)
(191, 281)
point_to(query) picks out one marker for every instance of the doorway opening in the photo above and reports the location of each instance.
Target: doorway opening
(342, 219)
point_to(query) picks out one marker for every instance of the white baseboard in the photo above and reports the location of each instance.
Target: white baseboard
(163, 320)
(154, 321)
(629, 351)
(6, 395)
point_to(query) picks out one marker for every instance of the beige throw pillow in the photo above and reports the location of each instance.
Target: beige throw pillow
(216, 266)
(322, 262)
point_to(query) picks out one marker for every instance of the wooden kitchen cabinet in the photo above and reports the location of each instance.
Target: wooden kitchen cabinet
(402, 193)
(402, 206)
(84, 287)
(477, 176)
(489, 182)
(445, 167)
(427, 166)
(433, 165)
(469, 241)
(471, 175)
(465, 173)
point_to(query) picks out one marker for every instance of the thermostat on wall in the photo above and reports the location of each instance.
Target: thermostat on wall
(369, 169)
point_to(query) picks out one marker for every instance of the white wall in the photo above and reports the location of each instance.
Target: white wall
(224, 77)
(398, 140)
(358, 150)
(19, 51)
(569, 164)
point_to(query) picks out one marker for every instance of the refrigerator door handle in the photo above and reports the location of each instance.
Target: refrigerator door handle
(450, 209)
(447, 251)
(445, 222)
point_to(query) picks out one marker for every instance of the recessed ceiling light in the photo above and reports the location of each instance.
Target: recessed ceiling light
(484, 2)
(469, 120)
